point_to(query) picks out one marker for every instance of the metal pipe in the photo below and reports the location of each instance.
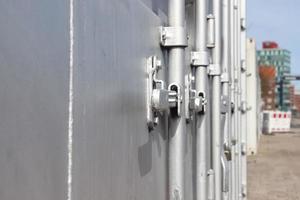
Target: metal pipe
(226, 95)
(216, 100)
(237, 62)
(177, 124)
(234, 190)
(237, 18)
(211, 185)
(226, 69)
(201, 82)
(243, 99)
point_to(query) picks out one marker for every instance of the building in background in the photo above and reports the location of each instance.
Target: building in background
(297, 103)
(292, 96)
(267, 76)
(271, 55)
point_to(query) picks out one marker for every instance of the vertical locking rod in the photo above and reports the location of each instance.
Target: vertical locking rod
(177, 123)
(216, 102)
(201, 84)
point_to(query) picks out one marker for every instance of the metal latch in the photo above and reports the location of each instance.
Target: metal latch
(224, 104)
(198, 102)
(157, 96)
(160, 99)
(175, 99)
(173, 36)
(194, 102)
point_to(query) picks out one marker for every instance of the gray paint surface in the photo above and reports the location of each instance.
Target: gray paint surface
(33, 99)
(114, 155)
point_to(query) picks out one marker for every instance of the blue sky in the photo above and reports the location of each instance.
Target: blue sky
(277, 20)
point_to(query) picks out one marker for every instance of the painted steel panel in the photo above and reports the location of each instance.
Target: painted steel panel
(115, 157)
(34, 85)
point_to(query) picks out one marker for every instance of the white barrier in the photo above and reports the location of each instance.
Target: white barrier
(276, 121)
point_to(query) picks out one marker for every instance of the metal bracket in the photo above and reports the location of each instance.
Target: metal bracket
(225, 77)
(244, 190)
(198, 102)
(224, 104)
(243, 66)
(175, 99)
(243, 24)
(159, 99)
(157, 96)
(232, 107)
(210, 31)
(195, 102)
(173, 36)
(233, 141)
(214, 70)
(243, 107)
(243, 149)
(227, 152)
(199, 58)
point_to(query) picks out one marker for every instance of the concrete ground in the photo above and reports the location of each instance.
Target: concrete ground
(274, 173)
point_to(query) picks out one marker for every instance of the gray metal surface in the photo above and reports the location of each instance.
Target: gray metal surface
(74, 101)
(34, 85)
(114, 155)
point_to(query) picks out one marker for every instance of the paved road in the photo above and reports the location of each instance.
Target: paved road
(274, 173)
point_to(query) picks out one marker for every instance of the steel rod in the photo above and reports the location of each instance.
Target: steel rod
(216, 101)
(201, 82)
(177, 124)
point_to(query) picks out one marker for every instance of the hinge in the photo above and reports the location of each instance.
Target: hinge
(173, 36)
(199, 58)
(210, 31)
